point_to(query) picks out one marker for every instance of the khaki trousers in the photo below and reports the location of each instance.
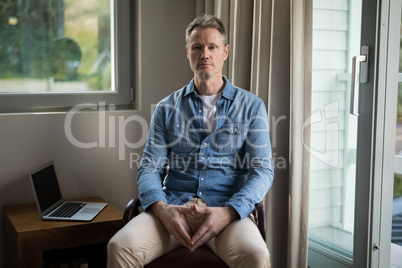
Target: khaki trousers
(144, 239)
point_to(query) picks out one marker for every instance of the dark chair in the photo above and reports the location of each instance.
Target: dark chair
(202, 257)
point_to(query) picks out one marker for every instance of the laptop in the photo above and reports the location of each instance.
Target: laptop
(50, 201)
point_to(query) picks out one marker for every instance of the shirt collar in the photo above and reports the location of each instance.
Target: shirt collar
(228, 90)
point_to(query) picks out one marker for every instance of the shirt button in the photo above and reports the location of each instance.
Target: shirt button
(177, 125)
(202, 179)
(200, 193)
(205, 143)
(199, 111)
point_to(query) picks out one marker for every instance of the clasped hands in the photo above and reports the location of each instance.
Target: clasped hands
(216, 219)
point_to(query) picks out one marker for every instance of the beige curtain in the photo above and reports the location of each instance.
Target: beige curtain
(271, 51)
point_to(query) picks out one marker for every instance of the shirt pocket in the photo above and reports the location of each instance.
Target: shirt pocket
(230, 137)
(179, 141)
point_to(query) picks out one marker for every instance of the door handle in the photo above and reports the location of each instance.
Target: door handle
(361, 60)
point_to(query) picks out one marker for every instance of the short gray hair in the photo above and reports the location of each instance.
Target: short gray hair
(207, 21)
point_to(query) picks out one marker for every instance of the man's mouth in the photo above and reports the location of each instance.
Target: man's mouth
(205, 64)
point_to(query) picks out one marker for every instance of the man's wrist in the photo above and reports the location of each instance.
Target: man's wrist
(157, 206)
(232, 210)
(232, 213)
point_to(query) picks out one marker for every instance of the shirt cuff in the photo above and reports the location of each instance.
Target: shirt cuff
(241, 208)
(149, 197)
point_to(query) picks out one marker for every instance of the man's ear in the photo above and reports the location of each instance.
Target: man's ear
(226, 52)
(187, 53)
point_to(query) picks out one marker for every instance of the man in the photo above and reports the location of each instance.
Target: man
(215, 139)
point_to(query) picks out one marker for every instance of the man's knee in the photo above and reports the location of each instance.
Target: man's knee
(114, 252)
(258, 257)
(261, 258)
(112, 247)
(122, 255)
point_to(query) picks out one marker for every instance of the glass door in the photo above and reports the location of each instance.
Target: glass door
(390, 227)
(396, 229)
(341, 179)
(396, 226)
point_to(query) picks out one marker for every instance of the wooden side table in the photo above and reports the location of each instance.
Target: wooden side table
(26, 237)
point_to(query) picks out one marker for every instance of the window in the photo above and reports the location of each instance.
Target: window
(336, 38)
(58, 54)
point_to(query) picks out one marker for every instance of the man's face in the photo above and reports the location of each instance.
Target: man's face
(206, 52)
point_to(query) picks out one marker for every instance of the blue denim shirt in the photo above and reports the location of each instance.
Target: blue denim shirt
(232, 166)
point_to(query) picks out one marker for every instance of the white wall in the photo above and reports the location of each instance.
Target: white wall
(29, 140)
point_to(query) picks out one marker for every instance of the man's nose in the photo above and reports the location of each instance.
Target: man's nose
(205, 53)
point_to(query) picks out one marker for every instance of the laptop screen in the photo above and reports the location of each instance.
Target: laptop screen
(46, 186)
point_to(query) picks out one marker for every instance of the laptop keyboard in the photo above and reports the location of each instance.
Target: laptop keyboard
(67, 210)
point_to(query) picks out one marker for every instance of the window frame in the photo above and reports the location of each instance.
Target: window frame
(122, 97)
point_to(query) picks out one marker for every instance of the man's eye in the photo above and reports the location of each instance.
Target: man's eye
(212, 47)
(197, 48)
